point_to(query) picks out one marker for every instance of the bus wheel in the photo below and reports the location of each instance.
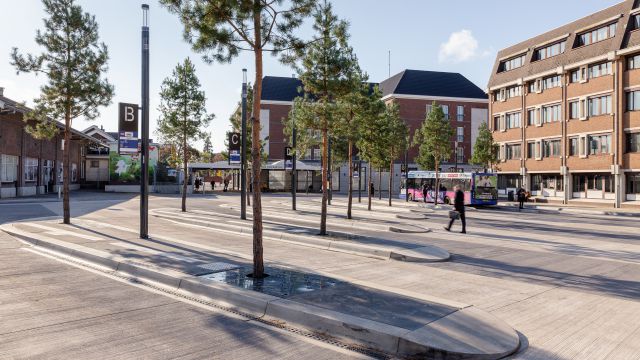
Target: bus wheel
(446, 200)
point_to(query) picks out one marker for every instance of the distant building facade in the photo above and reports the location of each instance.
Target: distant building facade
(565, 110)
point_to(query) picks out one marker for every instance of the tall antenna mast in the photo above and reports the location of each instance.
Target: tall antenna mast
(389, 63)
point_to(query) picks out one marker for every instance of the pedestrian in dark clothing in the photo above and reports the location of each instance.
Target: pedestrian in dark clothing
(425, 191)
(372, 190)
(197, 184)
(213, 185)
(522, 196)
(458, 205)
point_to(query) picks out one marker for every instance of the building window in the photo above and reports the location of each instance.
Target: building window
(633, 62)
(574, 110)
(551, 148)
(531, 150)
(599, 144)
(544, 181)
(30, 169)
(633, 101)
(551, 113)
(460, 113)
(633, 142)
(95, 164)
(496, 123)
(514, 91)
(531, 117)
(595, 71)
(445, 110)
(633, 183)
(551, 82)
(599, 34)
(635, 22)
(573, 146)
(575, 76)
(513, 120)
(512, 63)
(460, 134)
(531, 87)
(549, 51)
(513, 151)
(600, 105)
(460, 154)
(429, 107)
(317, 155)
(8, 168)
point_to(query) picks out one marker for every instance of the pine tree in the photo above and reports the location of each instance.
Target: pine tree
(220, 29)
(485, 151)
(434, 141)
(183, 115)
(397, 133)
(74, 63)
(323, 67)
(373, 140)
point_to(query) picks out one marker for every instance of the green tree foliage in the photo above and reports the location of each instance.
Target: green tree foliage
(183, 115)
(397, 139)
(485, 150)
(74, 63)
(373, 140)
(323, 67)
(434, 141)
(220, 29)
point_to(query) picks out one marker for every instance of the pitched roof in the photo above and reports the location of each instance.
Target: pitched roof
(618, 13)
(431, 83)
(277, 88)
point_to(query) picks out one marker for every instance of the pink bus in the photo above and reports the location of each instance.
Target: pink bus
(479, 188)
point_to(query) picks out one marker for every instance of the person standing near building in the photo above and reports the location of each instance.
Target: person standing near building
(425, 191)
(522, 196)
(458, 205)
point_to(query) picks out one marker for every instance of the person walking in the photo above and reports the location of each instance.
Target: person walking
(372, 190)
(522, 196)
(425, 191)
(458, 205)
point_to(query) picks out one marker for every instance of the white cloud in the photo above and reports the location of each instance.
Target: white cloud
(460, 47)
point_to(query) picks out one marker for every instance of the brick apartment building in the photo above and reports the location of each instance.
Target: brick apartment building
(564, 110)
(463, 102)
(30, 166)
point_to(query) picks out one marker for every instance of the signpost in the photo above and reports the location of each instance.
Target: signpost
(144, 172)
(234, 148)
(288, 157)
(127, 128)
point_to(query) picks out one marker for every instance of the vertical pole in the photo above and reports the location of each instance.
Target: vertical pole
(294, 175)
(359, 180)
(456, 154)
(406, 175)
(144, 156)
(243, 150)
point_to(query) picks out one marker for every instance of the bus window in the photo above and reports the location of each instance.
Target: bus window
(446, 185)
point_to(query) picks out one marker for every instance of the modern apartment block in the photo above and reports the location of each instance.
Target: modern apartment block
(565, 110)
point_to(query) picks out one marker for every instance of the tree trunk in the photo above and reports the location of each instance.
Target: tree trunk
(185, 166)
(370, 182)
(65, 168)
(390, 181)
(325, 166)
(350, 189)
(258, 261)
(379, 183)
(248, 179)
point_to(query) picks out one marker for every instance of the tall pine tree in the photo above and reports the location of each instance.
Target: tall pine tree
(323, 67)
(183, 115)
(434, 142)
(220, 30)
(74, 63)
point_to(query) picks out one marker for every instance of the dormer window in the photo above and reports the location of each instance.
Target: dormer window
(596, 35)
(512, 63)
(549, 51)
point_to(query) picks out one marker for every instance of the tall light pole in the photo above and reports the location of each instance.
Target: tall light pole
(144, 156)
(294, 177)
(243, 149)
(456, 154)
(406, 174)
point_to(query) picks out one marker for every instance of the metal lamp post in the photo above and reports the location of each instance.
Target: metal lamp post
(243, 149)
(144, 156)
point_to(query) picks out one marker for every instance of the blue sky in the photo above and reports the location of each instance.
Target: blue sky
(454, 35)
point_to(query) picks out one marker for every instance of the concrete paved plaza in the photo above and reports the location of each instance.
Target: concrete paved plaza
(569, 283)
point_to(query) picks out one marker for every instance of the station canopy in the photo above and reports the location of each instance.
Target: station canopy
(276, 165)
